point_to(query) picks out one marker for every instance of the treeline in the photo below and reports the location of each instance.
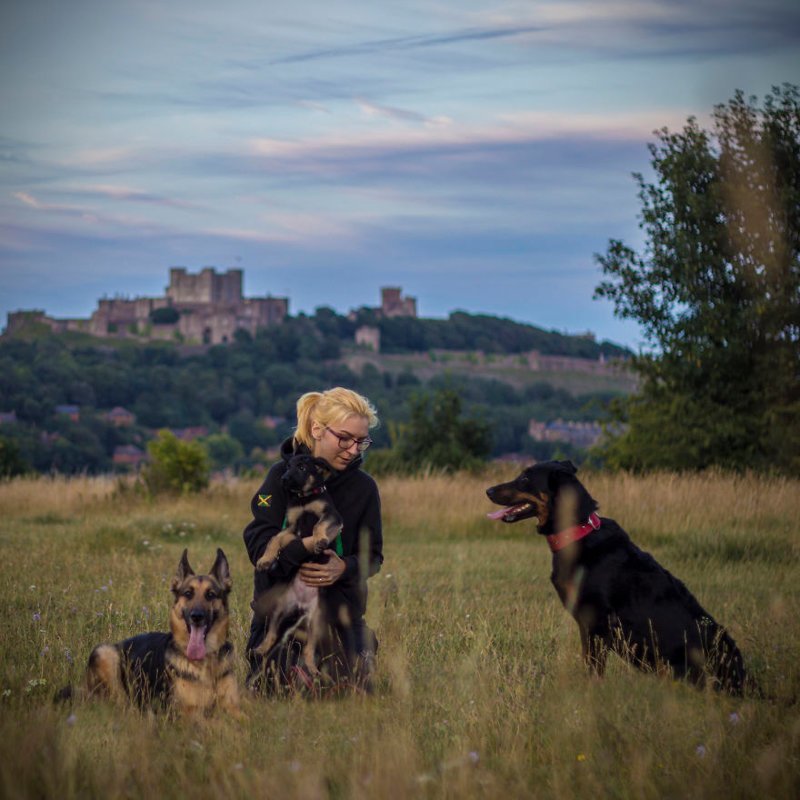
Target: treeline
(243, 393)
(462, 331)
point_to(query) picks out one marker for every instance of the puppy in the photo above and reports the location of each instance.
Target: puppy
(189, 669)
(310, 512)
(622, 599)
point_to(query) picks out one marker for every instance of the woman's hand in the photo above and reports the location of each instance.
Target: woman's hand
(326, 574)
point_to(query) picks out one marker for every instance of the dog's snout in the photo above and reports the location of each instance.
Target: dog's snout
(197, 615)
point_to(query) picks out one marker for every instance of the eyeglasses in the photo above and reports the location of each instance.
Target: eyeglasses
(346, 441)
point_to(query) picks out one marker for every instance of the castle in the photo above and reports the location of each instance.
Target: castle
(207, 307)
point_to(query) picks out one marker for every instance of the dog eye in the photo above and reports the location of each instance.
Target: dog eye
(189, 594)
(211, 595)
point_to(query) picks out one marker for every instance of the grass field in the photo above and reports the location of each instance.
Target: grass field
(480, 688)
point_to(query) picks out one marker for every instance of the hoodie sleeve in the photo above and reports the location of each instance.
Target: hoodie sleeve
(268, 507)
(370, 527)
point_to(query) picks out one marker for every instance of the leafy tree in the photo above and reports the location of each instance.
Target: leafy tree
(11, 461)
(175, 466)
(223, 450)
(438, 436)
(716, 290)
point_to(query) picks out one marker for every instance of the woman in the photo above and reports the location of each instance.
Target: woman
(332, 425)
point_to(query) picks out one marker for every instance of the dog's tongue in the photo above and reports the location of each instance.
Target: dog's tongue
(196, 649)
(498, 514)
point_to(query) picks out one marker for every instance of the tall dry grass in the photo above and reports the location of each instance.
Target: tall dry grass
(480, 690)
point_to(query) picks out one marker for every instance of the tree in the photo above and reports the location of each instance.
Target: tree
(175, 466)
(717, 293)
(11, 461)
(437, 436)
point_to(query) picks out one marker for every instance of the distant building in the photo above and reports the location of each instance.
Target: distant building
(393, 304)
(73, 412)
(128, 455)
(189, 434)
(207, 307)
(580, 434)
(369, 337)
(120, 417)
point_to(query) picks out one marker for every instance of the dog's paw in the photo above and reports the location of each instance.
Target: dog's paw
(264, 563)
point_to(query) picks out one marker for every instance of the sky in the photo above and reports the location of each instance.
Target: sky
(477, 154)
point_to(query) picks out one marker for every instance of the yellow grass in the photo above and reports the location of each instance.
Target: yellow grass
(481, 691)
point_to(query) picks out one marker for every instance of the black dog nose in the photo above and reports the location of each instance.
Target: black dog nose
(197, 615)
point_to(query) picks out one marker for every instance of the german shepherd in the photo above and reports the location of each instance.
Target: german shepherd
(310, 512)
(622, 599)
(189, 669)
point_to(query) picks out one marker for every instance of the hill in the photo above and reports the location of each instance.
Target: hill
(58, 391)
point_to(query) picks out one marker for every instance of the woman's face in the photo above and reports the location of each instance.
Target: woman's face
(326, 440)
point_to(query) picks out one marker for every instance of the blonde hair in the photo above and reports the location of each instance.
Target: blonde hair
(331, 407)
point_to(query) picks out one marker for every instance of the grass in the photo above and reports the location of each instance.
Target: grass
(481, 691)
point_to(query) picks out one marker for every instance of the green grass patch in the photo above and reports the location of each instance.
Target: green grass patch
(481, 691)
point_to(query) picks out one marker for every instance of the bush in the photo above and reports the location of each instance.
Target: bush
(175, 466)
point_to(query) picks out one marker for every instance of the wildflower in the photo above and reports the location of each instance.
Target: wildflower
(473, 756)
(45, 650)
(580, 757)
(6, 693)
(733, 718)
(35, 683)
(700, 750)
(68, 654)
(71, 720)
(37, 617)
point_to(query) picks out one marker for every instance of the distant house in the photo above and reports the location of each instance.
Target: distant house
(272, 422)
(8, 417)
(580, 434)
(128, 455)
(189, 434)
(73, 412)
(369, 337)
(120, 417)
(394, 304)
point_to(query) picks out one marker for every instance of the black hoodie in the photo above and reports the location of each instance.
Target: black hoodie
(355, 495)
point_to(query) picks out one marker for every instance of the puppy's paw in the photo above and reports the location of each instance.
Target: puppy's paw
(265, 562)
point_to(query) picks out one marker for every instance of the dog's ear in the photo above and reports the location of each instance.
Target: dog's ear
(559, 472)
(221, 571)
(184, 571)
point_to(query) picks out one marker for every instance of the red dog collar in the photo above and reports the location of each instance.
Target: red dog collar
(558, 541)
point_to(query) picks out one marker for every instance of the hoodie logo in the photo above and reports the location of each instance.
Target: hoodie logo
(264, 500)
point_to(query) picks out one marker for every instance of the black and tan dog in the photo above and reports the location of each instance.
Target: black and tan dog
(622, 599)
(189, 669)
(310, 512)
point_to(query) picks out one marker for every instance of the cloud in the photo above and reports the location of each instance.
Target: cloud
(126, 194)
(409, 43)
(371, 109)
(506, 129)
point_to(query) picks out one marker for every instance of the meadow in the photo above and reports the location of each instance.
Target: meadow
(481, 692)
